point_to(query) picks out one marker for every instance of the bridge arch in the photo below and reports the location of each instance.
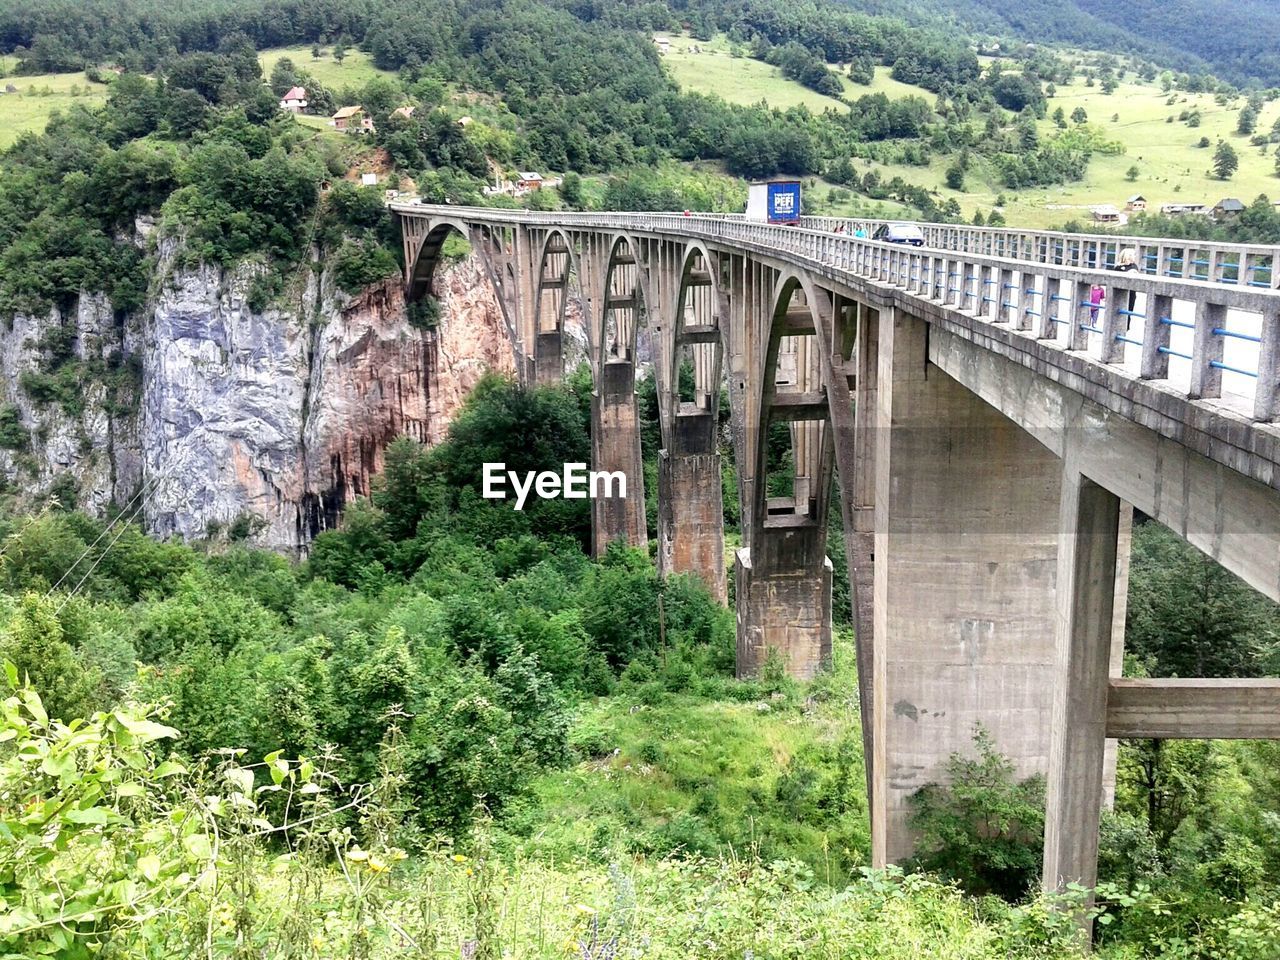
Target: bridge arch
(557, 264)
(422, 251)
(624, 301)
(793, 393)
(688, 374)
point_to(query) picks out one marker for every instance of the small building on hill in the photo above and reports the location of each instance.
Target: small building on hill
(527, 181)
(663, 45)
(295, 101)
(1226, 208)
(352, 120)
(403, 113)
(1136, 204)
(1107, 213)
(1183, 209)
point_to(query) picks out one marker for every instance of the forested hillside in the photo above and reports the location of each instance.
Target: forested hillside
(1234, 40)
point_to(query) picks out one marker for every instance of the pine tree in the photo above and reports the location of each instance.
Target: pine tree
(1225, 161)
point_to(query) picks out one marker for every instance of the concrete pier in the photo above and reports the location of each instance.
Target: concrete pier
(782, 588)
(615, 446)
(965, 565)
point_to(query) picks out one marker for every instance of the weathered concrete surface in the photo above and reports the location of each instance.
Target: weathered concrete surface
(1226, 709)
(783, 604)
(615, 447)
(1090, 527)
(965, 562)
(691, 519)
(548, 360)
(1225, 513)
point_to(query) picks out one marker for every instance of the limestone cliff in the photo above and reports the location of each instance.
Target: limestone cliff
(202, 412)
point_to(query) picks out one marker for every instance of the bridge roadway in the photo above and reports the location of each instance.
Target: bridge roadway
(990, 428)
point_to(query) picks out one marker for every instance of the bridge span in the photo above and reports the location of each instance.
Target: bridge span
(986, 430)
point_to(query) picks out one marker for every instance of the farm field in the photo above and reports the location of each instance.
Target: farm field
(741, 80)
(355, 69)
(38, 97)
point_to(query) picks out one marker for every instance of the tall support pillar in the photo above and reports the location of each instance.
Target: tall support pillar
(691, 505)
(1090, 519)
(615, 448)
(964, 571)
(782, 593)
(548, 359)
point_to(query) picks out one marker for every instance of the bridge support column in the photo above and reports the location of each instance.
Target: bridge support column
(1076, 788)
(615, 447)
(966, 553)
(548, 359)
(782, 591)
(691, 505)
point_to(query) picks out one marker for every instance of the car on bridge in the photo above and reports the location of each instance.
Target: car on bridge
(908, 233)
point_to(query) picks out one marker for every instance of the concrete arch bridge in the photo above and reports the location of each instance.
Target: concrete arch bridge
(984, 423)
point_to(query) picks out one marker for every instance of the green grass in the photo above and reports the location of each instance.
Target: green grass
(717, 775)
(38, 97)
(354, 71)
(745, 81)
(1172, 168)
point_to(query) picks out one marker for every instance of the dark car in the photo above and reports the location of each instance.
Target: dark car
(900, 233)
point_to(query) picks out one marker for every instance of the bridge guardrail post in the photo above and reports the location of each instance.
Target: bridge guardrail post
(1002, 292)
(1080, 315)
(1266, 399)
(1047, 328)
(1026, 286)
(1115, 323)
(1155, 338)
(1207, 347)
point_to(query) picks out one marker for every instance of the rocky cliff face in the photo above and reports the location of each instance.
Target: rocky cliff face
(218, 414)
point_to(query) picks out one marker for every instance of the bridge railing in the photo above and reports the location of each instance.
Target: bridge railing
(1243, 264)
(1204, 338)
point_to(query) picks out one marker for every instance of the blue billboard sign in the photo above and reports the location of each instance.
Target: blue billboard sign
(784, 202)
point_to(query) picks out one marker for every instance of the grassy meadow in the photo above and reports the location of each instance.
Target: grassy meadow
(355, 70)
(38, 97)
(745, 81)
(1172, 167)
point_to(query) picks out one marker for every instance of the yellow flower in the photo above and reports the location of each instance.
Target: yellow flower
(458, 858)
(376, 865)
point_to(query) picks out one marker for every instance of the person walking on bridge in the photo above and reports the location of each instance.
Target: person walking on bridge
(1128, 263)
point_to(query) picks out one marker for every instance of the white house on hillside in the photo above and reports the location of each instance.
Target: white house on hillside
(294, 101)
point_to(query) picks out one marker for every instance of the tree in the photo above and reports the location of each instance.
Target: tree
(1078, 115)
(1248, 121)
(571, 190)
(1225, 160)
(33, 641)
(1132, 173)
(283, 76)
(316, 52)
(1060, 118)
(984, 829)
(955, 177)
(340, 51)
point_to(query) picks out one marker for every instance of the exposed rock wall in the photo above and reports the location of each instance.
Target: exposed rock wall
(277, 416)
